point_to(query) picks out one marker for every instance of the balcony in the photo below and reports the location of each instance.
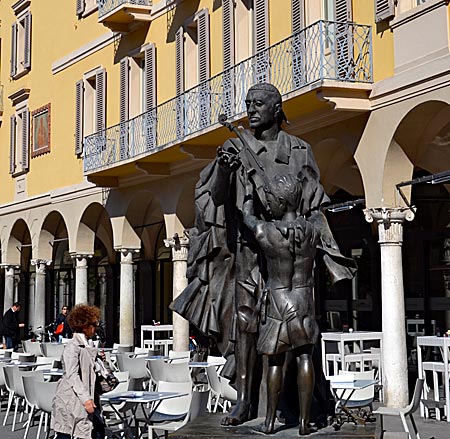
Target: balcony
(325, 54)
(121, 15)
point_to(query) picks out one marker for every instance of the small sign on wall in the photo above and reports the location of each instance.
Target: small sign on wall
(40, 131)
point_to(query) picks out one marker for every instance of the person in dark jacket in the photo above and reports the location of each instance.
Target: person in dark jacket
(11, 326)
(62, 318)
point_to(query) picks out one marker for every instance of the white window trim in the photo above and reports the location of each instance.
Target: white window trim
(19, 168)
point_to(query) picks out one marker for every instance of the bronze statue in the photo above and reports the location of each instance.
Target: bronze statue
(286, 308)
(226, 266)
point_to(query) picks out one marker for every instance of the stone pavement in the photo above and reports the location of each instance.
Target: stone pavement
(427, 429)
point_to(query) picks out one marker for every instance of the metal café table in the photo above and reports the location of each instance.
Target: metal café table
(341, 338)
(153, 399)
(443, 343)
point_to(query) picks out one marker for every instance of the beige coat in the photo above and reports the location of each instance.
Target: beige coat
(74, 389)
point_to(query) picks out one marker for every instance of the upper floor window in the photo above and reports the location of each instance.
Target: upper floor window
(19, 141)
(21, 44)
(90, 108)
(85, 7)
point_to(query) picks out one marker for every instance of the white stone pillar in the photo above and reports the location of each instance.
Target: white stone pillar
(394, 355)
(103, 297)
(179, 258)
(126, 333)
(81, 278)
(10, 271)
(30, 308)
(39, 295)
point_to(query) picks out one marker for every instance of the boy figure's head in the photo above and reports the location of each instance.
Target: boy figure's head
(283, 195)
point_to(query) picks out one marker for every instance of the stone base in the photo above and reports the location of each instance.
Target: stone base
(208, 427)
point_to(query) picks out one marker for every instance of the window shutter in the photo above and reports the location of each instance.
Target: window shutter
(80, 7)
(298, 15)
(179, 54)
(203, 45)
(343, 10)
(100, 100)
(79, 94)
(228, 33)
(27, 42)
(384, 10)
(14, 49)
(124, 88)
(12, 145)
(261, 24)
(25, 139)
(150, 77)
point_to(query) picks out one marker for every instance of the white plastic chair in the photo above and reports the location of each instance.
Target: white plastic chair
(156, 368)
(32, 347)
(53, 349)
(137, 368)
(45, 392)
(222, 394)
(404, 412)
(122, 348)
(30, 397)
(177, 372)
(179, 356)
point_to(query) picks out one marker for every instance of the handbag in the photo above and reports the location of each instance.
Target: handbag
(59, 329)
(105, 380)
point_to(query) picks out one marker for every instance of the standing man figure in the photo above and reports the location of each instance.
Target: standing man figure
(226, 267)
(11, 326)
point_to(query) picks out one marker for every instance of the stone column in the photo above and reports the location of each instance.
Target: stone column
(81, 278)
(126, 333)
(103, 297)
(10, 271)
(61, 292)
(30, 306)
(394, 355)
(179, 248)
(39, 294)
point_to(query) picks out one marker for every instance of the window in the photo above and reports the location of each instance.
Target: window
(19, 141)
(384, 9)
(90, 106)
(85, 7)
(21, 45)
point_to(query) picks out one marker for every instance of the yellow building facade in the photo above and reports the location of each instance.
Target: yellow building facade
(109, 111)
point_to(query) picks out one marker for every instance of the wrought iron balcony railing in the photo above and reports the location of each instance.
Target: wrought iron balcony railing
(324, 50)
(106, 6)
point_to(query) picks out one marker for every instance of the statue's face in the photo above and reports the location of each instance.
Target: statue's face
(261, 109)
(275, 206)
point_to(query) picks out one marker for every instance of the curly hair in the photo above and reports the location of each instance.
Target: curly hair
(82, 316)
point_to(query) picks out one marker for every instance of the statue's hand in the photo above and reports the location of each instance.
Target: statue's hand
(227, 160)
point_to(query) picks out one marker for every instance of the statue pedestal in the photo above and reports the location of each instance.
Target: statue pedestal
(208, 427)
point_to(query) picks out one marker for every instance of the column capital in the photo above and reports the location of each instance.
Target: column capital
(80, 256)
(8, 267)
(179, 246)
(390, 222)
(127, 251)
(41, 264)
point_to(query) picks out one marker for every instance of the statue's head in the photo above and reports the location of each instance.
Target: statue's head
(264, 109)
(283, 194)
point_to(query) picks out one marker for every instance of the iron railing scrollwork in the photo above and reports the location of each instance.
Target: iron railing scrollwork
(106, 6)
(324, 50)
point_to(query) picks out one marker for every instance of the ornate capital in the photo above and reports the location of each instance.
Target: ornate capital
(179, 246)
(9, 268)
(390, 223)
(41, 265)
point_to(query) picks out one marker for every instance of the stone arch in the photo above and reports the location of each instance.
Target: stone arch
(53, 233)
(94, 223)
(19, 250)
(338, 169)
(145, 215)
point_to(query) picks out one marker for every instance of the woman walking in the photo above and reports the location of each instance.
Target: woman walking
(76, 407)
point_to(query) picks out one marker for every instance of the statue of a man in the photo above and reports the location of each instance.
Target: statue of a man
(286, 309)
(226, 267)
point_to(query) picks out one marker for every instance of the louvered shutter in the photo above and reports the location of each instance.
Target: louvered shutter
(150, 77)
(261, 17)
(344, 38)
(384, 10)
(12, 145)
(27, 42)
(179, 54)
(79, 95)
(179, 80)
(261, 38)
(25, 139)
(124, 88)
(80, 7)
(228, 33)
(298, 15)
(14, 49)
(203, 45)
(100, 100)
